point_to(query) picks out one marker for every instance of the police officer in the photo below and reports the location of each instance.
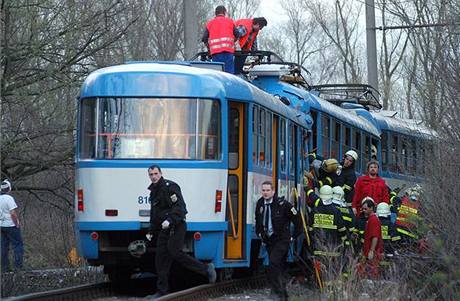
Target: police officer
(167, 223)
(273, 218)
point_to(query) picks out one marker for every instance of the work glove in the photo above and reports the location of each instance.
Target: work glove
(165, 224)
(149, 236)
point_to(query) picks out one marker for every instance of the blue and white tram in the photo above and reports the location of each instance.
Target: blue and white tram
(216, 135)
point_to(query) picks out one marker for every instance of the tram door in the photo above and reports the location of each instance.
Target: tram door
(235, 191)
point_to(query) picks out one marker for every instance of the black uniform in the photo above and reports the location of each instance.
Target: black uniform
(282, 213)
(168, 204)
(347, 180)
(389, 235)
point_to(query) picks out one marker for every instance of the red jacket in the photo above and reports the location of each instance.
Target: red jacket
(373, 229)
(221, 36)
(373, 187)
(247, 23)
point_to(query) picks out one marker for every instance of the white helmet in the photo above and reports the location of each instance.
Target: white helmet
(5, 186)
(338, 193)
(325, 193)
(383, 209)
(352, 154)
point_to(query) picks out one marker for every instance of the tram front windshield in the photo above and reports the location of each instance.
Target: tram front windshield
(149, 128)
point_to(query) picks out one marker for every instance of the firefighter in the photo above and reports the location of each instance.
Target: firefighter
(323, 172)
(167, 224)
(408, 209)
(389, 234)
(273, 217)
(329, 231)
(345, 208)
(347, 176)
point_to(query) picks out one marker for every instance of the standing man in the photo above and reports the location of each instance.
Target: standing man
(248, 29)
(9, 222)
(273, 219)
(373, 243)
(370, 185)
(347, 177)
(167, 222)
(219, 36)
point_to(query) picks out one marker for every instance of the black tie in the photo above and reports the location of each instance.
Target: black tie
(267, 216)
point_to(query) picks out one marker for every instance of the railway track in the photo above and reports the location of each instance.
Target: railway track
(74, 293)
(105, 289)
(207, 291)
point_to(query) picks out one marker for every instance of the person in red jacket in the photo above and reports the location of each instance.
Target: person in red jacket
(219, 36)
(370, 185)
(248, 29)
(373, 242)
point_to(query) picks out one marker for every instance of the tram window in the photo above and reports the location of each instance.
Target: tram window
(88, 128)
(139, 128)
(314, 145)
(367, 150)
(403, 155)
(346, 145)
(384, 144)
(255, 118)
(325, 126)
(233, 139)
(358, 149)
(335, 147)
(412, 157)
(283, 145)
(394, 153)
(291, 144)
(232, 203)
(262, 137)
(268, 145)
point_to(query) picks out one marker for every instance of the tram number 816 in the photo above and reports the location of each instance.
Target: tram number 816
(143, 200)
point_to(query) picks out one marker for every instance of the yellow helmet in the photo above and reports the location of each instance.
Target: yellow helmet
(330, 165)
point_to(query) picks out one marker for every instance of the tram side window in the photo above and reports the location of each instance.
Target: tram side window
(335, 147)
(421, 159)
(346, 144)
(262, 137)
(384, 151)
(283, 145)
(325, 126)
(358, 148)
(412, 156)
(88, 128)
(314, 137)
(394, 153)
(268, 140)
(255, 118)
(403, 155)
(367, 150)
(291, 144)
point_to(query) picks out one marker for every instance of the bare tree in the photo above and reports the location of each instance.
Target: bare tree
(340, 26)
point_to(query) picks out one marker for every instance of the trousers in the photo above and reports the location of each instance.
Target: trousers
(169, 248)
(277, 251)
(11, 235)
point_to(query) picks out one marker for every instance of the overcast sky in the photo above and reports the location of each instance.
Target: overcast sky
(271, 10)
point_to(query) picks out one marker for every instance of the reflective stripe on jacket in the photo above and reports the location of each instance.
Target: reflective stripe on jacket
(221, 36)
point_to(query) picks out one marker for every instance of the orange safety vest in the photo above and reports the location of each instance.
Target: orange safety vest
(247, 23)
(221, 36)
(407, 212)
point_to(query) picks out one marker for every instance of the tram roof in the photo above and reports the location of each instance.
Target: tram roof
(410, 127)
(169, 79)
(311, 101)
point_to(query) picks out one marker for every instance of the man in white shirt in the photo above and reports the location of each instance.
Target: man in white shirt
(10, 232)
